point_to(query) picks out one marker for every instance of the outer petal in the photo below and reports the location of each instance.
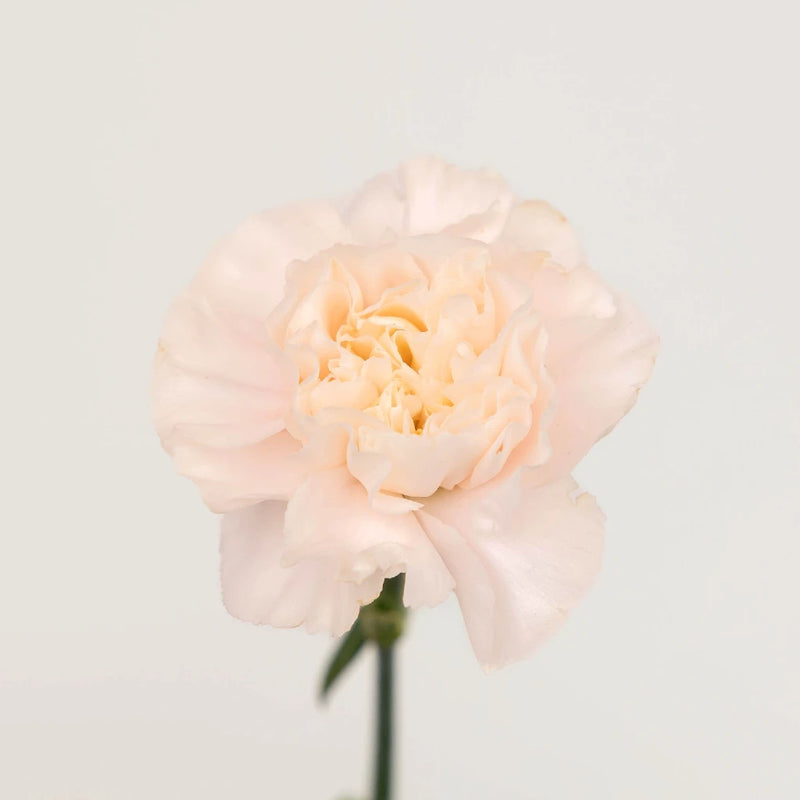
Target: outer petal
(598, 366)
(234, 477)
(535, 226)
(221, 387)
(213, 406)
(258, 589)
(427, 195)
(522, 557)
(600, 351)
(244, 277)
(330, 517)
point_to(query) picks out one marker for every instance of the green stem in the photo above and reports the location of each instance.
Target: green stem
(383, 751)
(383, 622)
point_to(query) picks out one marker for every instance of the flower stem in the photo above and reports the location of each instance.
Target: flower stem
(383, 623)
(383, 750)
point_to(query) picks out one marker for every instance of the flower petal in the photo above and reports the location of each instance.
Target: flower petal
(192, 404)
(230, 478)
(598, 364)
(244, 277)
(221, 387)
(330, 518)
(258, 589)
(417, 465)
(600, 351)
(535, 226)
(522, 556)
(428, 195)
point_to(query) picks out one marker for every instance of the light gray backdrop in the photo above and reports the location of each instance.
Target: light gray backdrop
(136, 134)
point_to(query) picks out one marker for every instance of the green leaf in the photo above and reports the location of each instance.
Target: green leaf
(345, 653)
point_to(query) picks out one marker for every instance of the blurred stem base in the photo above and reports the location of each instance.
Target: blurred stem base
(384, 724)
(381, 622)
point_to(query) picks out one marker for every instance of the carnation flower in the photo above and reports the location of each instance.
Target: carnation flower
(401, 383)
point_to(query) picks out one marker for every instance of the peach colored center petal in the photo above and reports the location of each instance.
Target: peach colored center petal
(405, 349)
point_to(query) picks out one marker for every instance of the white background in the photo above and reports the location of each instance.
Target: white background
(136, 134)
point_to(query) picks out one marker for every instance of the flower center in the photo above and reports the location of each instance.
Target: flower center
(385, 345)
(383, 339)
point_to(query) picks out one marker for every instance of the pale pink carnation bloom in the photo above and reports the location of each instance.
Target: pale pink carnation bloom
(401, 383)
